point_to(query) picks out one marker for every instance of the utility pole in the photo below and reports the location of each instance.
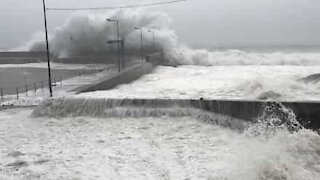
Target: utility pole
(47, 44)
(141, 43)
(118, 39)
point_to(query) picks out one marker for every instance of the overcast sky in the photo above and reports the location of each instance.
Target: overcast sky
(197, 22)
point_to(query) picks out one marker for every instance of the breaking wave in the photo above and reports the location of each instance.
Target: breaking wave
(185, 55)
(276, 147)
(85, 34)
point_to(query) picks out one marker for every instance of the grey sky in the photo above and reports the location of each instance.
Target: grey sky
(197, 22)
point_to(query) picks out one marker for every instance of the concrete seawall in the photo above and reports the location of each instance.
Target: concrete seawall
(307, 113)
(123, 77)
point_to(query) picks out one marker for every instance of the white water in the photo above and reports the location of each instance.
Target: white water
(149, 148)
(221, 82)
(188, 56)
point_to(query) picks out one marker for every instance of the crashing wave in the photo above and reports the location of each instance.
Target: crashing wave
(105, 108)
(85, 33)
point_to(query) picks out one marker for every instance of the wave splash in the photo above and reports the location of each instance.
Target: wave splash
(87, 34)
(185, 55)
(275, 147)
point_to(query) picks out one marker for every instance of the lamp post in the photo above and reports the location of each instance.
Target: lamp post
(118, 39)
(47, 45)
(141, 43)
(153, 38)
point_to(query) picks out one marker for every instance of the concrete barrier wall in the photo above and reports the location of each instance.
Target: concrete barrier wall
(123, 77)
(128, 75)
(307, 113)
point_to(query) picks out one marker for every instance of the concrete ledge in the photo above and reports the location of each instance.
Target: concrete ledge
(123, 77)
(307, 113)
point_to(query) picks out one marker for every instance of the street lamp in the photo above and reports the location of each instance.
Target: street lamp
(141, 43)
(47, 45)
(153, 39)
(118, 39)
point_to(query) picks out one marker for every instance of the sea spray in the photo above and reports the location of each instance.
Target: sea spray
(188, 56)
(275, 147)
(87, 34)
(275, 117)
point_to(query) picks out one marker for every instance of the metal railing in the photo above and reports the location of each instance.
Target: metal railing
(37, 87)
(28, 89)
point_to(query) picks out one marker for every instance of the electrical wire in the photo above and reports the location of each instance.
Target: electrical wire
(121, 7)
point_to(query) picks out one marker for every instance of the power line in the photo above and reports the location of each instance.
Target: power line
(121, 7)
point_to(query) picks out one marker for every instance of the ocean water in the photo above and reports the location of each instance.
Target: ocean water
(242, 82)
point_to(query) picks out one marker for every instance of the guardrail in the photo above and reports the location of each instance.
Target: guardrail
(37, 87)
(28, 88)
